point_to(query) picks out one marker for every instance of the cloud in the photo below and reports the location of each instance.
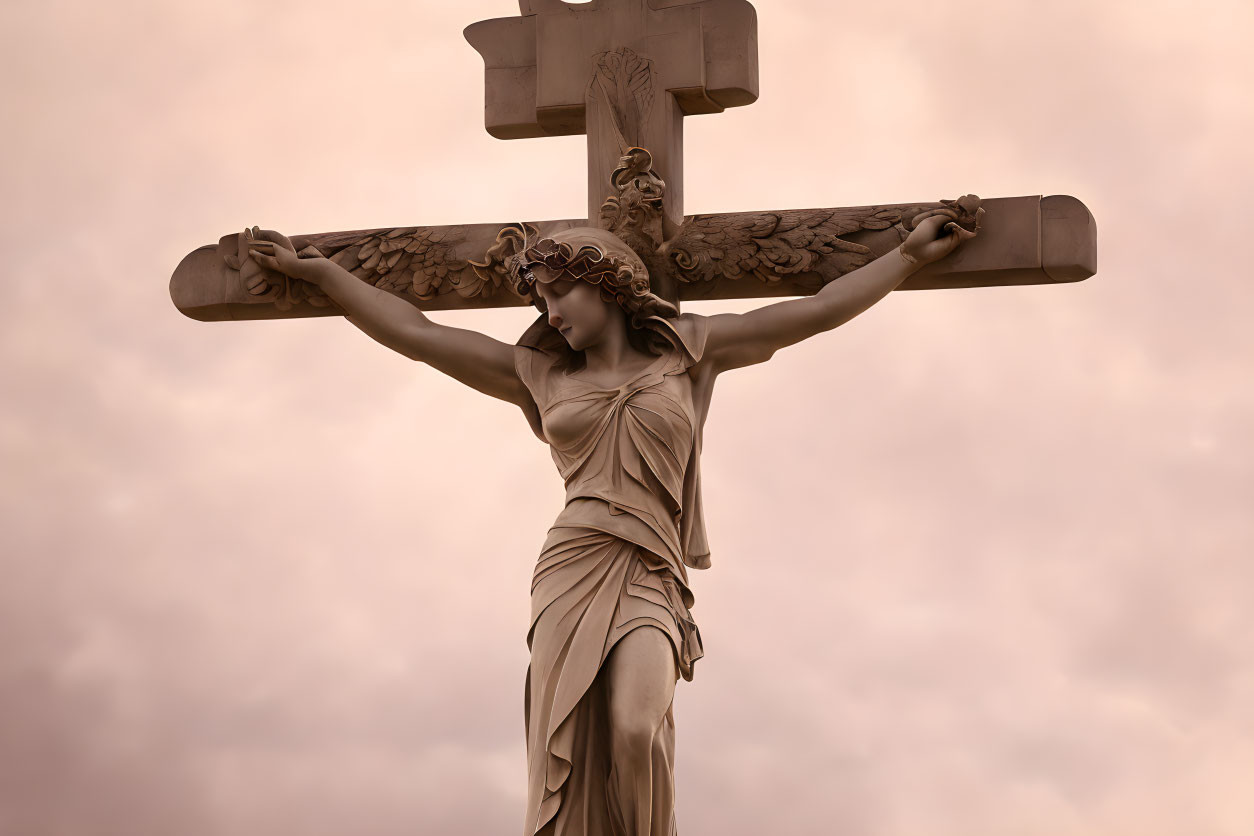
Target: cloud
(980, 556)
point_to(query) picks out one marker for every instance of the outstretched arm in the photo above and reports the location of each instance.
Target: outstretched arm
(737, 340)
(473, 358)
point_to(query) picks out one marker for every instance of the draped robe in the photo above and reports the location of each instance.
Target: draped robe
(615, 560)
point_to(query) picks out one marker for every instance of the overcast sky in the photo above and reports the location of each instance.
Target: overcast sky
(983, 559)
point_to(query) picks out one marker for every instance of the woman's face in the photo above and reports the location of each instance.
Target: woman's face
(574, 307)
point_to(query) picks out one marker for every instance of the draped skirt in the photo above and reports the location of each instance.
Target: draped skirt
(590, 589)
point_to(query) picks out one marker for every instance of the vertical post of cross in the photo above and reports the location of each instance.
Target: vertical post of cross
(623, 72)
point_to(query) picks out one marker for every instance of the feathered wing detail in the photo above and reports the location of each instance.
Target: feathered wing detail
(421, 261)
(771, 246)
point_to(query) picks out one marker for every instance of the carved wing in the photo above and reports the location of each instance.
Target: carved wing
(422, 261)
(772, 245)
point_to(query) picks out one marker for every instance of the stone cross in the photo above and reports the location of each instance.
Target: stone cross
(626, 73)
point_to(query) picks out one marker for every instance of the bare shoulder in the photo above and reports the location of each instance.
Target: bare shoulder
(734, 340)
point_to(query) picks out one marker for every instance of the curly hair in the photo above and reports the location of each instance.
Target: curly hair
(602, 259)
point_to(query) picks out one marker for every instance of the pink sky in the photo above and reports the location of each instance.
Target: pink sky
(983, 560)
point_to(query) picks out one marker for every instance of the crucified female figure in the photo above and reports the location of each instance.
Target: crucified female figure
(618, 384)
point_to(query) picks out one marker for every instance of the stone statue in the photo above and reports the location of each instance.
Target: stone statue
(618, 383)
(611, 375)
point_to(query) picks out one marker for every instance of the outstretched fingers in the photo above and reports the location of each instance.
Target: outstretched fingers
(263, 253)
(260, 235)
(267, 261)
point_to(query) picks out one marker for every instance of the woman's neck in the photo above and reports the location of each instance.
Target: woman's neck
(613, 351)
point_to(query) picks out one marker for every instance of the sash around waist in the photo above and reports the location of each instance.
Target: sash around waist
(631, 524)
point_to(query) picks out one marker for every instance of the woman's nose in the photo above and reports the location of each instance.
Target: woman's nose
(555, 319)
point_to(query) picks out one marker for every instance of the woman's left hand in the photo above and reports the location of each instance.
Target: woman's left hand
(934, 238)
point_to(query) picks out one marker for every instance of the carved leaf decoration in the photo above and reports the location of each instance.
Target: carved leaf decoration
(511, 240)
(624, 81)
(635, 214)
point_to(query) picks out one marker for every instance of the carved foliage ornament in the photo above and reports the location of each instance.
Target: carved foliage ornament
(635, 213)
(633, 216)
(624, 82)
(423, 262)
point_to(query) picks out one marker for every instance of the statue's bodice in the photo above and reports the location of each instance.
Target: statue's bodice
(635, 448)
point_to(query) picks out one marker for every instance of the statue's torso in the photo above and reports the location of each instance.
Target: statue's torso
(628, 446)
(631, 451)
